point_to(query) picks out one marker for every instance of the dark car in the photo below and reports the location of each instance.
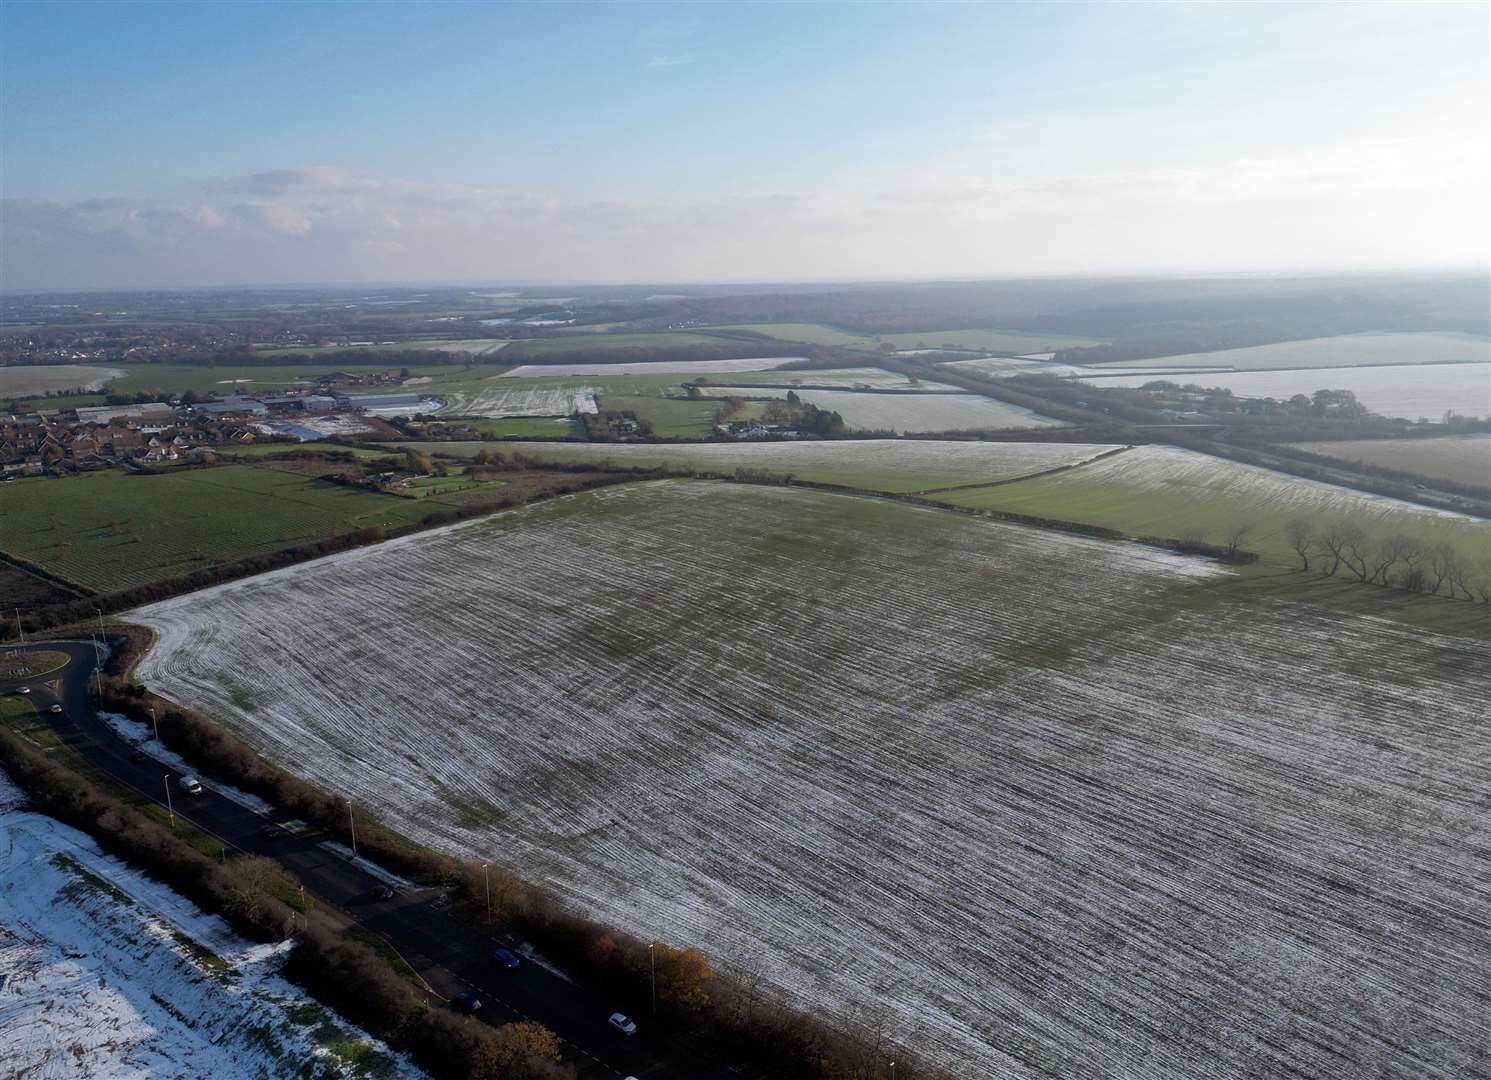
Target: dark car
(383, 892)
(271, 832)
(466, 1001)
(138, 755)
(505, 958)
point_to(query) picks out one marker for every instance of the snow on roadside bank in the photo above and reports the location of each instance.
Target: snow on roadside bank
(141, 737)
(107, 973)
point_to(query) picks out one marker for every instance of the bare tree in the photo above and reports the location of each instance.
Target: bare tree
(1237, 532)
(1412, 554)
(1356, 551)
(1443, 560)
(1302, 539)
(1347, 544)
(1381, 556)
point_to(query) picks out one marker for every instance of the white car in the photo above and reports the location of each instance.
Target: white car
(56, 707)
(623, 1023)
(190, 784)
(23, 689)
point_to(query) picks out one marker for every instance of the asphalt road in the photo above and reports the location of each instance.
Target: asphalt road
(448, 954)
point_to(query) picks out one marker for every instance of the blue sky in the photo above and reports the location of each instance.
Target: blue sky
(727, 140)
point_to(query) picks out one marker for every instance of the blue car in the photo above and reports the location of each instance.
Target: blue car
(504, 958)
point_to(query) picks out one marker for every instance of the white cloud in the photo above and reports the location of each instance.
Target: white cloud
(667, 43)
(1403, 202)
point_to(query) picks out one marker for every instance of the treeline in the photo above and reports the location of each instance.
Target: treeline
(1397, 560)
(249, 893)
(730, 1013)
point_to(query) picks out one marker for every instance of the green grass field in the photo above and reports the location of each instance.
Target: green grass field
(258, 451)
(525, 427)
(529, 348)
(1012, 341)
(807, 333)
(671, 418)
(175, 378)
(1464, 459)
(473, 346)
(110, 530)
(1163, 491)
(57, 404)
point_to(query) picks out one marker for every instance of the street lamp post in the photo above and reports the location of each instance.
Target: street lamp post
(652, 953)
(352, 821)
(487, 881)
(892, 1070)
(155, 723)
(169, 810)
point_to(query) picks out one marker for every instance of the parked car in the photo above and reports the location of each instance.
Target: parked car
(466, 1001)
(56, 707)
(382, 892)
(504, 958)
(190, 784)
(623, 1023)
(138, 755)
(23, 689)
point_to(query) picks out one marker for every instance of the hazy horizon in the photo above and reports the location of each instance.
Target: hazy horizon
(241, 145)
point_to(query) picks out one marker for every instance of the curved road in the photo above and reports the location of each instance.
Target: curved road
(449, 955)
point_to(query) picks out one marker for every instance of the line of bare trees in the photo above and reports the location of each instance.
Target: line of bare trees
(1396, 560)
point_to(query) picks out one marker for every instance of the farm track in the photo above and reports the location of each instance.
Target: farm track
(1009, 785)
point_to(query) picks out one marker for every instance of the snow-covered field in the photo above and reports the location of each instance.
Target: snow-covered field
(878, 464)
(106, 973)
(492, 398)
(24, 380)
(1058, 806)
(1409, 391)
(654, 367)
(905, 413)
(1344, 350)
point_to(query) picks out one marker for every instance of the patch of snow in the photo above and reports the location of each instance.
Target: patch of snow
(388, 877)
(142, 736)
(107, 973)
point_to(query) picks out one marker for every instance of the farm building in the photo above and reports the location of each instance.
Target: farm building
(235, 404)
(369, 401)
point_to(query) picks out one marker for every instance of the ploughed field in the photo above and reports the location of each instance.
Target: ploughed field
(1061, 807)
(25, 380)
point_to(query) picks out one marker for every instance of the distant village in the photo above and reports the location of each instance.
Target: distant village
(137, 435)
